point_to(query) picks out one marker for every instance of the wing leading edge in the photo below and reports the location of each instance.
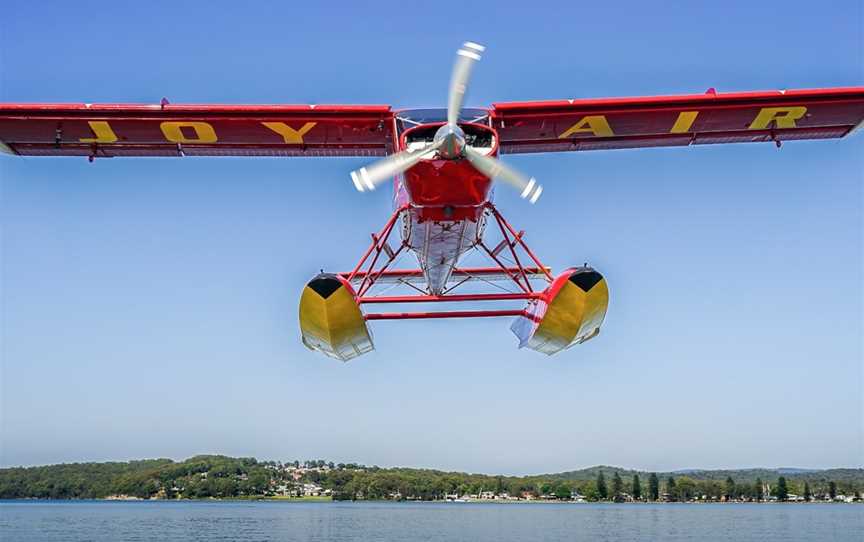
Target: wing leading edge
(107, 130)
(662, 121)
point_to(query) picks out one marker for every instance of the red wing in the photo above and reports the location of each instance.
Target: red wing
(661, 121)
(195, 130)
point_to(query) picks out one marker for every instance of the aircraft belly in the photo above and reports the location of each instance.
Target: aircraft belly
(438, 246)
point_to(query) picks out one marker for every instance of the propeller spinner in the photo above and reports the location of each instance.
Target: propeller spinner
(449, 141)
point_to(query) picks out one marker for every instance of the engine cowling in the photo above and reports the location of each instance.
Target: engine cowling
(448, 180)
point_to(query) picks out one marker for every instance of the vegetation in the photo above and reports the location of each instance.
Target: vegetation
(782, 493)
(653, 487)
(602, 492)
(213, 476)
(617, 488)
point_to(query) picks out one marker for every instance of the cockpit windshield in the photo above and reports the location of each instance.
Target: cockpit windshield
(409, 118)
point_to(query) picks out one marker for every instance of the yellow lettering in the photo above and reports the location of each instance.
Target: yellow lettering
(684, 122)
(595, 124)
(782, 117)
(290, 134)
(174, 132)
(103, 132)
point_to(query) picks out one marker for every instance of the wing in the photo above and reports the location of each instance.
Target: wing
(106, 130)
(663, 121)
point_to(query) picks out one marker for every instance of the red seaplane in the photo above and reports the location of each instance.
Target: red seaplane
(442, 164)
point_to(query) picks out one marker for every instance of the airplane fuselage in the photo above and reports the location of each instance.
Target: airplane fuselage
(445, 201)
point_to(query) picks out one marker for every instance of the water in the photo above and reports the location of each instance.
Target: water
(283, 521)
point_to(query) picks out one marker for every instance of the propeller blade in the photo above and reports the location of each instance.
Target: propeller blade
(367, 178)
(495, 169)
(466, 57)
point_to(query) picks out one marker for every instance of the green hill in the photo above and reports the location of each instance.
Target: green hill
(216, 476)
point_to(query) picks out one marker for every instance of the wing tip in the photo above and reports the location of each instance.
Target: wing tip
(6, 149)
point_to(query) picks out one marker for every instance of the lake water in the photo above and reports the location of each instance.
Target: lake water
(284, 521)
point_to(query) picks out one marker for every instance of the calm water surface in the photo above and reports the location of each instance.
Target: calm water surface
(262, 521)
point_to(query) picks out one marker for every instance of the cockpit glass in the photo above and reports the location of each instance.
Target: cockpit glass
(408, 118)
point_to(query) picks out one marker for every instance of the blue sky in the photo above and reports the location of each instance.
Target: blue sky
(149, 305)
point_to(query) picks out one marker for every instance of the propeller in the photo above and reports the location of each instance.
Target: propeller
(466, 57)
(367, 178)
(496, 169)
(449, 141)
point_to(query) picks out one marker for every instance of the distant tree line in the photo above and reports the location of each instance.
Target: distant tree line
(683, 489)
(212, 476)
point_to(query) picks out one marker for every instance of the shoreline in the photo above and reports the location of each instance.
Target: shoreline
(378, 501)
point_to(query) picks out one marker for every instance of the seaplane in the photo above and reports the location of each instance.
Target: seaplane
(441, 165)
